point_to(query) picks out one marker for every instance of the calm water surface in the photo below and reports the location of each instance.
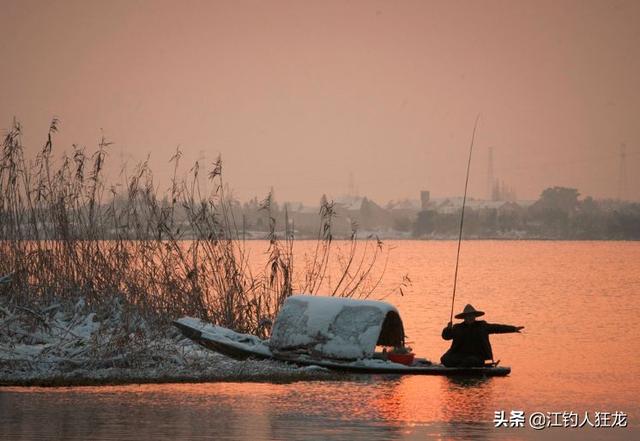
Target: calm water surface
(580, 351)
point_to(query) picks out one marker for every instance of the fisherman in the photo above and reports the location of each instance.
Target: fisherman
(470, 346)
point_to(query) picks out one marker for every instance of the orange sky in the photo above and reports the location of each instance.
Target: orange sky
(297, 95)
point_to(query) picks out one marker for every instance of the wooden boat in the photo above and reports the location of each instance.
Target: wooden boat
(334, 333)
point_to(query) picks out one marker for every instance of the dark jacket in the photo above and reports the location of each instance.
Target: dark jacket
(473, 339)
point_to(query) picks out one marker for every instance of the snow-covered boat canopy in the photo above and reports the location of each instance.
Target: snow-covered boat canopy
(334, 327)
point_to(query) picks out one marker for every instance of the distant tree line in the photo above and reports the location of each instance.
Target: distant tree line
(559, 213)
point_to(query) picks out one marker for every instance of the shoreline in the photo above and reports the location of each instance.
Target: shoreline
(132, 378)
(70, 343)
(455, 238)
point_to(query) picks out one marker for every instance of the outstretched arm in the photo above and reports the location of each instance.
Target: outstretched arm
(494, 328)
(447, 333)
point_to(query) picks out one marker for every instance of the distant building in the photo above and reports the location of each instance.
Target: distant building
(305, 219)
(363, 212)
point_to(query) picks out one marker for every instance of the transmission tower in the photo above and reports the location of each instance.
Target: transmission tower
(622, 174)
(490, 178)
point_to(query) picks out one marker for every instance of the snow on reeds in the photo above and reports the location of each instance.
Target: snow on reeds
(68, 236)
(69, 343)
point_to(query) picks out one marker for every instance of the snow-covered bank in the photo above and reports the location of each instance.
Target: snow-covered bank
(74, 344)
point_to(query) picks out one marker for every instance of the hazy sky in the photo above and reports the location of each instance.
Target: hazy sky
(296, 95)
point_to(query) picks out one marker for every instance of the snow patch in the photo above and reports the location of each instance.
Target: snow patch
(246, 342)
(76, 343)
(329, 327)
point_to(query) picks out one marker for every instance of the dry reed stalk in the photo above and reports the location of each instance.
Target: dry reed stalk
(170, 254)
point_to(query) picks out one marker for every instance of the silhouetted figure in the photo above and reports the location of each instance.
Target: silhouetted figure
(471, 346)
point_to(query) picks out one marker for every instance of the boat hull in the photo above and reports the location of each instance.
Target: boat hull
(242, 346)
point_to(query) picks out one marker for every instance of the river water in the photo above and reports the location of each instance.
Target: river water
(579, 352)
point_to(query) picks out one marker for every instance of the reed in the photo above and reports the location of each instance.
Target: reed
(65, 232)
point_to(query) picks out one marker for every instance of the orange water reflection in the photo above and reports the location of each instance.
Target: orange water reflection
(579, 302)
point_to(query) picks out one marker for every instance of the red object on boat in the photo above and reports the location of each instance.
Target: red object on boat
(406, 359)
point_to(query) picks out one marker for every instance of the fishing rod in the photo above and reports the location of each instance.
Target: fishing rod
(464, 200)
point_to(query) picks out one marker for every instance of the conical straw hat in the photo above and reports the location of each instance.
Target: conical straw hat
(469, 310)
